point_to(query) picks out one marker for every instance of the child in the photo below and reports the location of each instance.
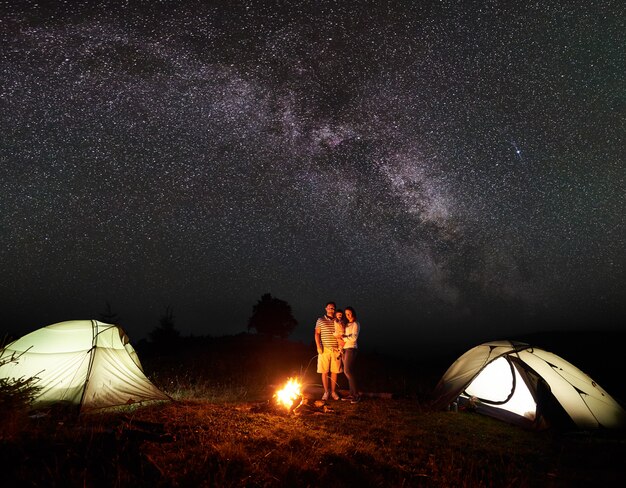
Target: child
(340, 324)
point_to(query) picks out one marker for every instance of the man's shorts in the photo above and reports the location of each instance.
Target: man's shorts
(329, 361)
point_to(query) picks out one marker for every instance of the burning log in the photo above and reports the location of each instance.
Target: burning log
(292, 400)
(291, 397)
(315, 408)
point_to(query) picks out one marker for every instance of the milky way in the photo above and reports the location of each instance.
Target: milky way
(442, 167)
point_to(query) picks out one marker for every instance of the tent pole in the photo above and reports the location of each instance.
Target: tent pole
(94, 328)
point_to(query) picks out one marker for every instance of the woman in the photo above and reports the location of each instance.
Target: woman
(350, 336)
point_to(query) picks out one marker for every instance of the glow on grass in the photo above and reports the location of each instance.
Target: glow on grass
(291, 392)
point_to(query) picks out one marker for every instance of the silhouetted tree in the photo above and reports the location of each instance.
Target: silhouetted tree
(272, 316)
(166, 334)
(109, 316)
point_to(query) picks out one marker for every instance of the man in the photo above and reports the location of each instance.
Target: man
(328, 355)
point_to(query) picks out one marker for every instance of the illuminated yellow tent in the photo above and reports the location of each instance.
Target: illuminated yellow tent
(82, 362)
(516, 382)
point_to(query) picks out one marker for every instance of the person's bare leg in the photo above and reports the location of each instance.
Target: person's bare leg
(333, 382)
(325, 382)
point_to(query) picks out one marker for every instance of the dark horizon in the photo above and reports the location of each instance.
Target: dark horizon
(422, 339)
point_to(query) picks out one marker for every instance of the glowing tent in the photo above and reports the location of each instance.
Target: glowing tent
(515, 382)
(82, 362)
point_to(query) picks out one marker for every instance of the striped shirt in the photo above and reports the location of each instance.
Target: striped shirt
(326, 327)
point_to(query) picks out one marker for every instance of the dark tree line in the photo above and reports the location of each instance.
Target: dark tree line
(271, 317)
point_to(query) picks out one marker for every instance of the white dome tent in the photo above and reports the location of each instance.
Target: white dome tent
(527, 386)
(81, 362)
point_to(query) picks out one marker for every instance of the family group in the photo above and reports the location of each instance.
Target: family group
(336, 334)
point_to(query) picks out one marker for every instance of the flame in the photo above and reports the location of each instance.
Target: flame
(289, 394)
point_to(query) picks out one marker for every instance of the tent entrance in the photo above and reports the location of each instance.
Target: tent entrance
(501, 386)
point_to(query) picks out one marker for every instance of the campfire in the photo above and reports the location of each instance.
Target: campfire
(290, 395)
(292, 398)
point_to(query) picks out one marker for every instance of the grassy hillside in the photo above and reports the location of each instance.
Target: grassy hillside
(224, 430)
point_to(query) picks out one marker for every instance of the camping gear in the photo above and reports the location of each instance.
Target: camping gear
(81, 362)
(524, 385)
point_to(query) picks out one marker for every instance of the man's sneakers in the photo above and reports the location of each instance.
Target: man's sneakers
(325, 396)
(335, 396)
(356, 400)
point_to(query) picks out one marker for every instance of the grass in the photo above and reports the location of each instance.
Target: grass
(223, 430)
(379, 442)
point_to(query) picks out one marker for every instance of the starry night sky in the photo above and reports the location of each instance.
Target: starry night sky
(452, 169)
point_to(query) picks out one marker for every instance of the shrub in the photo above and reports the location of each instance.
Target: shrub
(16, 395)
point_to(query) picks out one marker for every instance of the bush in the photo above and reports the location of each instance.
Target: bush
(16, 395)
